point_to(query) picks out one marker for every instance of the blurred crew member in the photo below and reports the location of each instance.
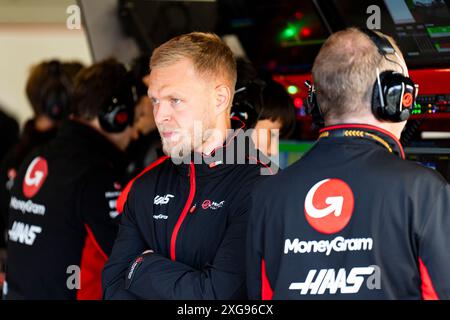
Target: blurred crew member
(62, 219)
(184, 220)
(352, 219)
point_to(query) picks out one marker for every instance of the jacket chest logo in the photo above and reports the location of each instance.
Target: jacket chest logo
(212, 205)
(160, 200)
(35, 176)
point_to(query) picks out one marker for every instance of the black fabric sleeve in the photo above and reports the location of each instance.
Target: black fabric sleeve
(161, 278)
(97, 207)
(434, 244)
(254, 250)
(128, 245)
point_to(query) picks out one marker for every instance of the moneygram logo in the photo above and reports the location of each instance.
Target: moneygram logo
(35, 176)
(338, 244)
(329, 205)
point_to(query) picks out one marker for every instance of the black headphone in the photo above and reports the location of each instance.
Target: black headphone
(393, 94)
(244, 106)
(117, 112)
(56, 95)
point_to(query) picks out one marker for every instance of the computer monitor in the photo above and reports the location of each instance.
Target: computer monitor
(153, 22)
(105, 35)
(281, 36)
(435, 158)
(420, 27)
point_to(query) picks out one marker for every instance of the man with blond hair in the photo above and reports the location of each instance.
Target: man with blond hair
(352, 219)
(183, 226)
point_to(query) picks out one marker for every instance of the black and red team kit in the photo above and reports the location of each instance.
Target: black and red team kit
(194, 219)
(62, 217)
(351, 220)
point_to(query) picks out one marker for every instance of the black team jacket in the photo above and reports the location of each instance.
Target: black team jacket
(62, 216)
(194, 217)
(351, 220)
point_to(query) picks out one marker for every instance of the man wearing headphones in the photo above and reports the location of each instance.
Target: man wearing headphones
(264, 106)
(62, 218)
(352, 219)
(49, 91)
(183, 228)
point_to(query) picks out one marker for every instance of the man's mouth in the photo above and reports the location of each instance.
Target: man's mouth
(167, 134)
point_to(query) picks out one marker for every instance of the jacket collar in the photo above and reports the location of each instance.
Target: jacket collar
(363, 131)
(238, 148)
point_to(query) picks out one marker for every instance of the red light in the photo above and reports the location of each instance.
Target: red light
(306, 32)
(298, 102)
(298, 15)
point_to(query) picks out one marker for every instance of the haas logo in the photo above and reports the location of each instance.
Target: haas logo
(160, 200)
(329, 205)
(35, 176)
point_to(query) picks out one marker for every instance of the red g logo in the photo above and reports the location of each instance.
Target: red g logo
(329, 205)
(35, 176)
(206, 204)
(407, 100)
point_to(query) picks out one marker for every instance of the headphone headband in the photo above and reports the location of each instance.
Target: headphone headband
(244, 106)
(56, 93)
(383, 44)
(393, 93)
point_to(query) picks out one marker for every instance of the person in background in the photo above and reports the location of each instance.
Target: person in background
(264, 106)
(9, 131)
(62, 218)
(147, 148)
(184, 220)
(352, 219)
(49, 90)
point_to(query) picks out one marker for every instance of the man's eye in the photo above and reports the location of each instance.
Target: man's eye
(155, 101)
(176, 101)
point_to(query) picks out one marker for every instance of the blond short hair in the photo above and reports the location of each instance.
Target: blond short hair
(209, 54)
(344, 73)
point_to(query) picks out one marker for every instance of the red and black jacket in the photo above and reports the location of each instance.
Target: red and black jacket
(62, 216)
(30, 139)
(194, 218)
(351, 220)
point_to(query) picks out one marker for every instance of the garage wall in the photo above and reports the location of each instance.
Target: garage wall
(32, 31)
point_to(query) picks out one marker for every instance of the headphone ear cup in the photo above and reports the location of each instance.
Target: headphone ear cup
(56, 102)
(116, 117)
(55, 98)
(118, 112)
(393, 97)
(245, 112)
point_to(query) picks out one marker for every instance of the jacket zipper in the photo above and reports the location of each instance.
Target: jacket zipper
(187, 206)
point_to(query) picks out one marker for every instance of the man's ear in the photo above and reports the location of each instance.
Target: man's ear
(223, 98)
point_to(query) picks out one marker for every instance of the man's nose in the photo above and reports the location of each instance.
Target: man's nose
(162, 113)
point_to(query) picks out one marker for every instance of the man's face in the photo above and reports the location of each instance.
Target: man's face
(266, 136)
(181, 99)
